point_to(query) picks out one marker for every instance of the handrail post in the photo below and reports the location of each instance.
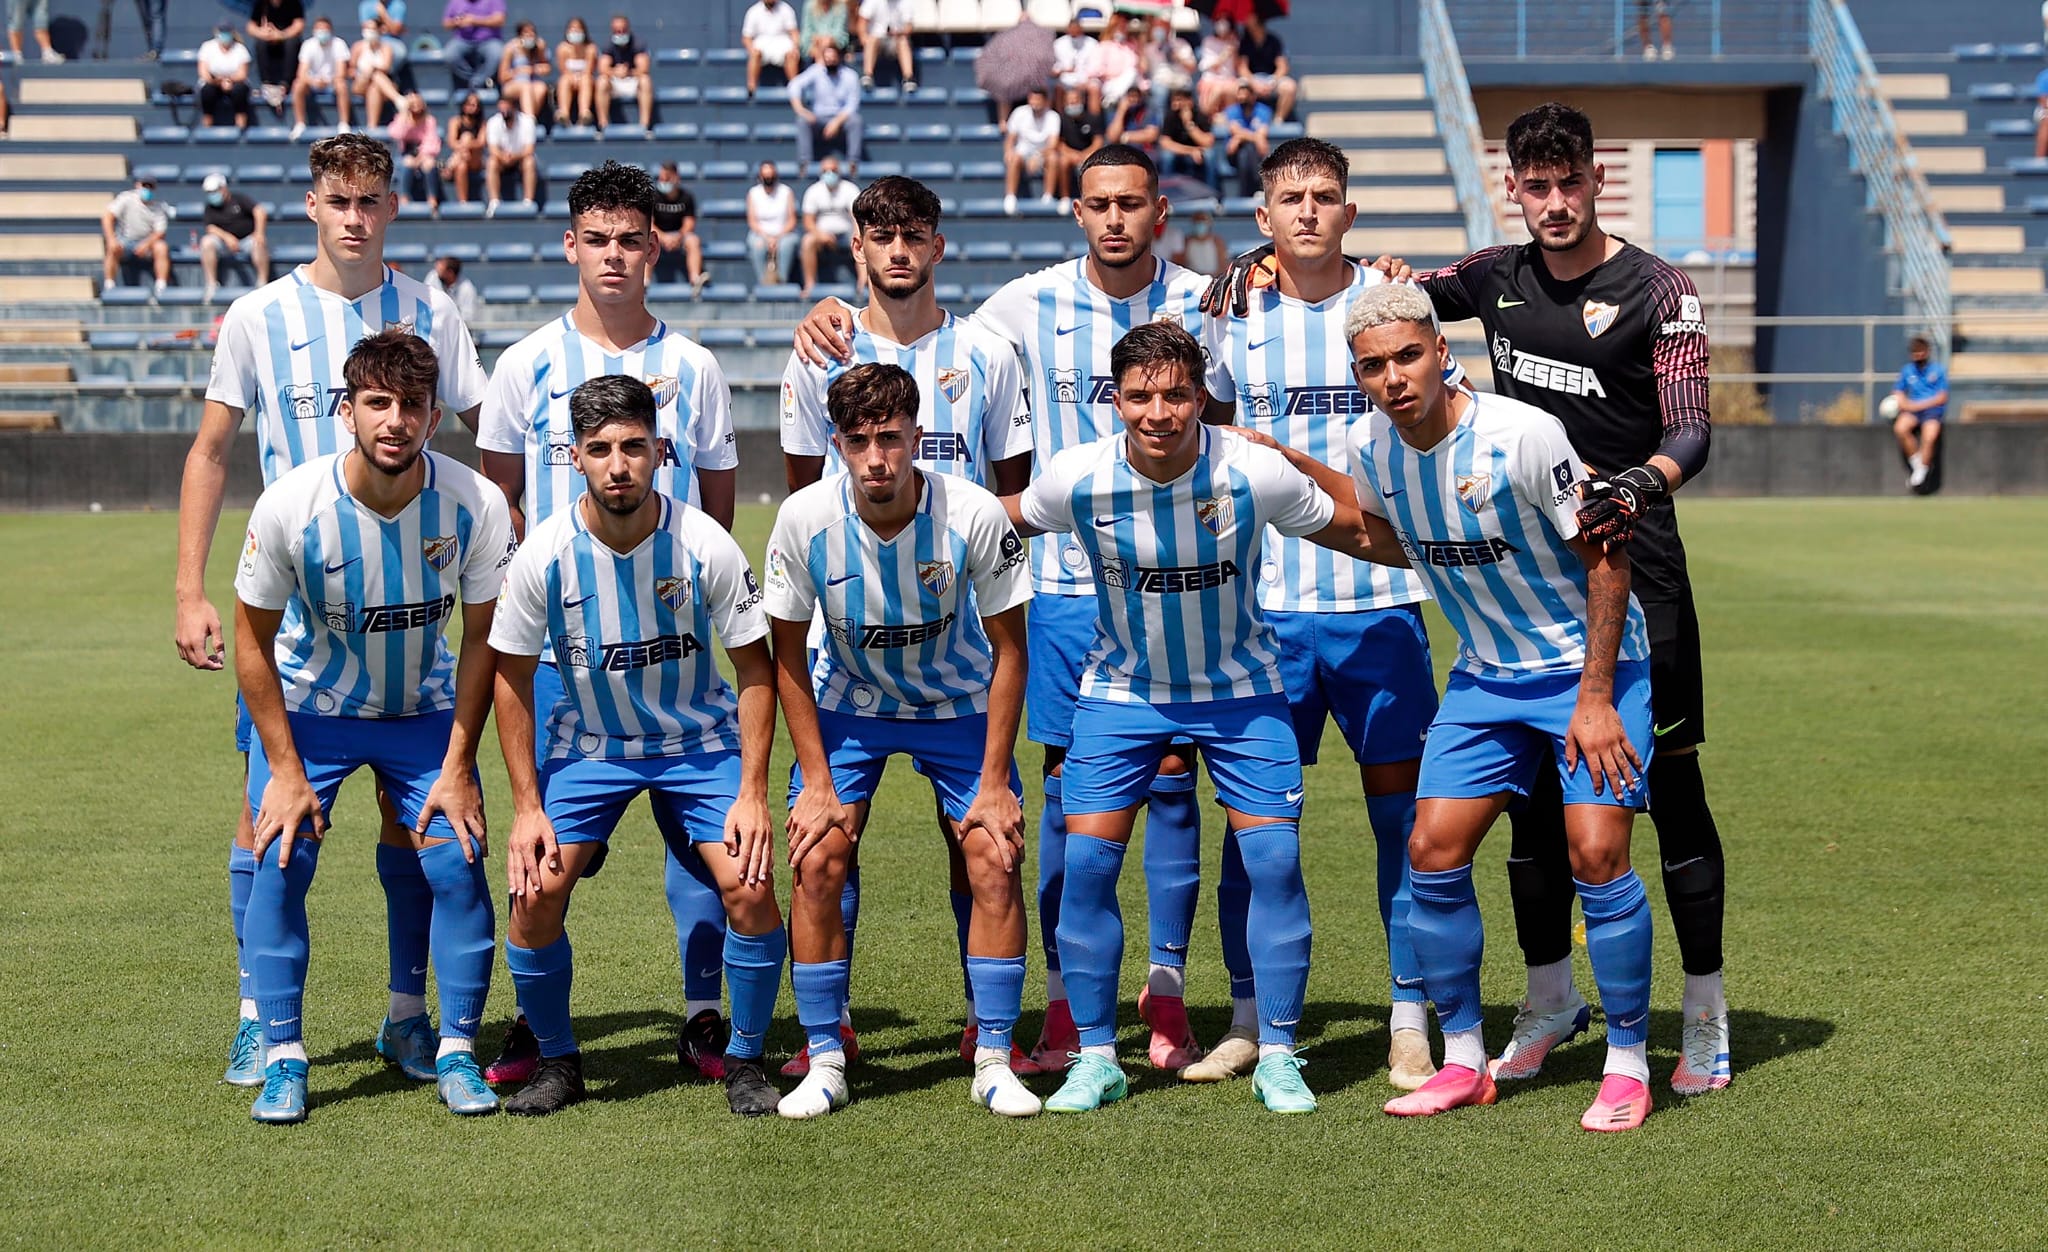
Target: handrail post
(1457, 123)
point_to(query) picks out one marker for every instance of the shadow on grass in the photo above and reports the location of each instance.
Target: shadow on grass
(1756, 1039)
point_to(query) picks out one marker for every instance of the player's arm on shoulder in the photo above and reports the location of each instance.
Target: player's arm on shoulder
(826, 333)
(806, 431)
(501, 434)
(1041, 508)
(1348, 528)
(1456, 289)
(197, 631)
(1219, 388)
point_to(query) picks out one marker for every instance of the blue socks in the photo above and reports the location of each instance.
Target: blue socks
(1618, 939)
(753, 969)
(542, 977)
(1443, 922)
(820, 987)
(275, 936)
(996, 985)
(408, 916)
(1393, 819)
(1277, 929)
(1173, 866)
(699, 913)
(241, 876)
(1233, 907)
(963, 916)
(1091, 936)
(464, 935)
(1052, 869)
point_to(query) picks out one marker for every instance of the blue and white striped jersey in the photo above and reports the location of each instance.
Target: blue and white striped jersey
(526, 410)
(1484, 517)
(970, 398)
(1287, 367)
(633, 631)
(367, 599)
(1063, 326)
(903, 618)
(281, 349)
(1177, 618)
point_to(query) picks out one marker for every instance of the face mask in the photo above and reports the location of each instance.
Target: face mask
(1199, 229)
(529, 43)
(216, 198)
(1073, 110)
(577, 36)
(225, 38)
(830, 178)
(324, 36)
(1223, 30)
(621, 40)
(667, 188)
(147, 193)
(370, 34)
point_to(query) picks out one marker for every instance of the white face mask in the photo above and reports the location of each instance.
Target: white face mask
(324, 36)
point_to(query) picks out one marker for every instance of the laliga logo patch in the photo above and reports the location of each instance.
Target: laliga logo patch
(664, 388)
(1474, 490)
(1261, 399)
(249, 554)
(1599, 317)
(439, 551)
(672, 592)
(1215, 512)
(778, 570)
(952, 384)
(937, 576)
(788, 403)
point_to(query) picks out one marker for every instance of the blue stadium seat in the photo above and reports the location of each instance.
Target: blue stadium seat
(870, 170)
(269, 134)
(950, 293)
(199, 173)
(724, 56)
(573, 134)
(265, 173)
(984, 133)
(935, 132)
(982, 291)
(509, 253)
(980, 251)
(415, 211)
(406, 253)
(2028, 167)
(979, 170)
(726, 293)
(966, 56)
(228, 295)
(2037, 204)
(125, 296)
(216, 134)
(180, 296)
(1996, 91)
(556, 293)
(292, 253)
(669, 292)
(2010, 128)
(114, 340)
(732, 171)
(672, 132)
(928, 54)
(166, 134)
(725, 94)
(676, 56)
(724, 337)
(930, 96)
(1041, 251)
(436, 97)
(462, 250)
(1282, 131)
(724, 250)
(161, 173)
(498, 338)
(930, 171)
(883, 132)
(716, 210)
(777, 291)
(775, 132)
(2020, 51)
(1975, 52)
(675, 95)
(726, 132)
(556, 208)
(508, 293)
(518, 210)
(969, 95)
(565, 171)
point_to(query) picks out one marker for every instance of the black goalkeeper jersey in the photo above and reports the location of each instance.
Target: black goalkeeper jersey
(1618, 355)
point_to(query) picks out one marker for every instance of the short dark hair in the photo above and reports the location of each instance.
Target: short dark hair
(1114, 154)
(896, 201)
(1154, 344)
(1550, 135)
(393, 360)
(870, 394)
(1920, 341)
(610, 398)
(612, 186)
(351, 157)
(1304, 156)
(452, 262)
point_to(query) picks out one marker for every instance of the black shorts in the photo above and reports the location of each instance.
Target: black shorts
(1677, 699)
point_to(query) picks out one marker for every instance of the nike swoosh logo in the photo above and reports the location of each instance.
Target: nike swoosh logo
(336, 569)
(419, 969)
(1661, 731)
(557, 395)
(282, 1021)
(1066, 330)
(1106, 522)
(843, 578)
(570, 604)
(1669, 868)
(301, 347)
(1292, 1021)
(1263, 342)
(1174, 947)
(1294, 797)
(1388, 495)
(1637, 1020)
(1408, 984)
(469, 1021)
(1502, 302)
(713, 972)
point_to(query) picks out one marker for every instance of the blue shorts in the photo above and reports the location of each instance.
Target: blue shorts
(245, 730)
(1368, 670)
(947, 751)
(1493, 734)
(1059, 635)
(547, 693)
(1248, 743)
(690, 794)
(404, 752)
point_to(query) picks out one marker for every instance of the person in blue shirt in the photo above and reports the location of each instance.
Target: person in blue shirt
(826, 98)
(1921, 397)
(1245, 124)
(2041, 112)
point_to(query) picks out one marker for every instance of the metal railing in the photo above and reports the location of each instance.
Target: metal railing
(1916, 234)
(1457, 124)
(1612, 28)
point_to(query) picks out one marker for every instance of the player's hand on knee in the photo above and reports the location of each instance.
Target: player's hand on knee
(817, 813)
(289, 804)
(749, 837)
(1597, 739)
(1231, 290)
(1613, 505)
(197, 634)
(457, 796)
(997, 813)
(530, 846)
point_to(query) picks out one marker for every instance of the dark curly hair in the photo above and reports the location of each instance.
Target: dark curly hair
(393, 360)
(610, 398)
(1548, 136)
(612, 185)
(1152, 345)
(896, 202)
(870, 394)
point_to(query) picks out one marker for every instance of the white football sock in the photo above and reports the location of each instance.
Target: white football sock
(693, 1007)
(1408, 1015)
(404, 1005)
(1703, 991)
(990, 1054)
(1167, 980)
(1244, 1013)
(451, 1044)
(293, 1051)
(1632, 1061)
(846, 1017)
(1274, 1049)
(1055, 986)
(248, 1009)
(1107, 1051)
(1465, 1047)
(1550, 986)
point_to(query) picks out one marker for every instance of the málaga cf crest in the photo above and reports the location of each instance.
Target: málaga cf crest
(1599, 317)
(672, 592)
(935, 575)
(1215, 512)
(1474, 490)
(952, 384)
(439, 551)
(664, 387)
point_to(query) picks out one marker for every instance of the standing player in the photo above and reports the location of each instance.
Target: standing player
(360, 557)
(971, 416)
(1063, 322)
(1351, 640)
(1613, 342)
(1171, 516)
(280, 359)
(528, 442)
(922, 584)
(630, 587)
(1480, 494)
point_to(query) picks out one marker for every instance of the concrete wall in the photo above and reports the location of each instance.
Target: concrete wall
(141, 471)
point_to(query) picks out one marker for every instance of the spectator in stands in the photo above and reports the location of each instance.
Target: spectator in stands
(625, 71)
(826, 97)
(151, 15)
(1201, 249)
(769, 34)
(478, 40)
(1262, 58)
(418, 136)
(828, 222)
(31, 14)
(1922, 399)
(447, 279)
(1216, 60)
(1169, 61)
(224, 78)
(886, 24)
(1134, 122)
(771, 225)
(509, 142)
(392, 13)
(1080, 135)
(1247, 123)
(1070, 54)
(1028, 140)
(275, 28)
(1115, 66)
(236, 227)
(134, 225)
(523, 70)
(323, 66)
(675, 226)
(375, 79)
(829, 21)
(576, 90)
(2041, 111)
(465, 146)
(1661, 10)
(1187, 140)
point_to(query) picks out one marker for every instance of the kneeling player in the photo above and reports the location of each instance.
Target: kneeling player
(631, 586)
(1482, 495)
(360, 556)
(1171, 514)
(923, 585)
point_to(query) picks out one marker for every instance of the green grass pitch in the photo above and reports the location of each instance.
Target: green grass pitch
(1878, 704)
